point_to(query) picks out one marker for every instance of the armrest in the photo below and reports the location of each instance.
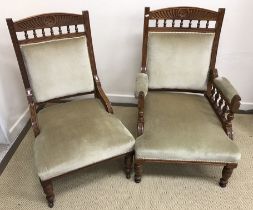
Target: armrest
(225, 101)
(141, 84)
(140, 121)
(101, 95)
(228, 91)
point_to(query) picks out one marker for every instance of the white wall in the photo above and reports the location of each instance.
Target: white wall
(117, 35)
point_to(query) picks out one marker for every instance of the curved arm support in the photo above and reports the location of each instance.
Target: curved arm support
(33, 112)
(99, 93)
(228, 91)
(225, 101)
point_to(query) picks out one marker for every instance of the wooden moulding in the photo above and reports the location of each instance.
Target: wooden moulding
(47, 21)
(185, 13)
(50, 38)
(226, 173)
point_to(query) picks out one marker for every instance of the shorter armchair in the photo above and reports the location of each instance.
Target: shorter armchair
(56, 60)
(185, 110)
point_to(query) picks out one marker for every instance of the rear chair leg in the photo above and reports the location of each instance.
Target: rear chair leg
(138, 171)
(226, 174)
(128, 165)
(48, 190)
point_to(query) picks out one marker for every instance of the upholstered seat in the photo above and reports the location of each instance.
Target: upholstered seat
(183, 127)
(76, 134)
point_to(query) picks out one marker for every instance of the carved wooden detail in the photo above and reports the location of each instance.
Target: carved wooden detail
(186, 13)
(47, 21)
(47, 27)
(181, 19)
(223, 108)
(181, 29)
(140, 120)
(51, 37)
(33, 112)
(101, 95)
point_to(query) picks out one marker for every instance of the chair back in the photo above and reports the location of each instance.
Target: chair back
(55, 54)
(180, 47)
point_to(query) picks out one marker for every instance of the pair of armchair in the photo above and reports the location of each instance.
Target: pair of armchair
(57, 61)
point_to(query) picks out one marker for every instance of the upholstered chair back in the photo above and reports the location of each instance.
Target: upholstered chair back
(58, 68)
(179, 60)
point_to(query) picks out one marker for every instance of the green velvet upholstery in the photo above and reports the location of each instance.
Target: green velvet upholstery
(77, 134)
(183, 127)
(141, 84)
(179, 60)
(226, 87)
(58, 68)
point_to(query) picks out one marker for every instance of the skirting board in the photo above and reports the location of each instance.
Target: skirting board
(3, 138)
(130, 99)
(124, 99)
(18, 126)
(246, 106)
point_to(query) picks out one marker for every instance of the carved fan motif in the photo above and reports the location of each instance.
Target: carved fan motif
(49, 21)
(182, 13)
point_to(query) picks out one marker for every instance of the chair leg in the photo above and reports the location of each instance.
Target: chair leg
(128, 165)
(138, 171)
(226, 174)
(48, 190)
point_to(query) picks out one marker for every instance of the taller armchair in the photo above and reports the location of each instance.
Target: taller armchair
(185, 110)
(56, 60)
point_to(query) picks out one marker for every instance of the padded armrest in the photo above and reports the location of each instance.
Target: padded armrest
(141, 84)
(226, 88)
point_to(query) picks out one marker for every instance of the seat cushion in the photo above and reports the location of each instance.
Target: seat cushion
(179, 60)
(183, 127)
(58, 68)
(77, 134)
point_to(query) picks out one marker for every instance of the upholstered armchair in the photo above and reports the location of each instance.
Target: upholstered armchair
(185, 110)
(56, 60)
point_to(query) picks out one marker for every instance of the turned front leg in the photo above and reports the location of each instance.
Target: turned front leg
(49, 192)
(128, 165)
(226, 174)
(138, 168)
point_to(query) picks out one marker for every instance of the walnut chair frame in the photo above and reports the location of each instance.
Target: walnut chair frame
(54, 23)
(223, 108)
